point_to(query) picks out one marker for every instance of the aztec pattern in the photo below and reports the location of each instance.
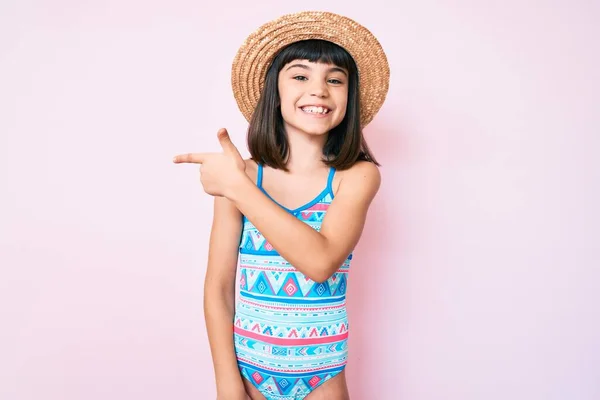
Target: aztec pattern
(290, 333)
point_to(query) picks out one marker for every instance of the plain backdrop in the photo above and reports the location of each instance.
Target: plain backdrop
(477, 276)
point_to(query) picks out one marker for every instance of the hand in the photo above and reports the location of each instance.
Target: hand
(220, 173)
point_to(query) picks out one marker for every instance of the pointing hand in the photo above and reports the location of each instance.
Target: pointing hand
(219, 172)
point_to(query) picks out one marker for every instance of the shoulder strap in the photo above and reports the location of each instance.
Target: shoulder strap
(330, 179)
(259, 176)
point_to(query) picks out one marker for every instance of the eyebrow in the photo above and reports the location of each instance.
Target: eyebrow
(304, 66)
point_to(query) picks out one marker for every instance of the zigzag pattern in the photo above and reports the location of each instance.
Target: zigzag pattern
(290, 284)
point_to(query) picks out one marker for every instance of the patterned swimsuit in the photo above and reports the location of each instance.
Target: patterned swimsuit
(290, 332)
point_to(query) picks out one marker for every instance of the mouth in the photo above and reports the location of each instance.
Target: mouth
(315, 110)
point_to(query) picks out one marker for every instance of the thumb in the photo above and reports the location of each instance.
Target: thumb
(226, 143)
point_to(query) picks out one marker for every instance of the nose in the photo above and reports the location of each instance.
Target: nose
(319, 88)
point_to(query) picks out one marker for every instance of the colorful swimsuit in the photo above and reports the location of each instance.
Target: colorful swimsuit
(290, 333)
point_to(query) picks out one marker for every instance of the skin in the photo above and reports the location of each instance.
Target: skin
(317, 254)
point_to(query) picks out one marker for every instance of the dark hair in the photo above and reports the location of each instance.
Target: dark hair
(267, 139)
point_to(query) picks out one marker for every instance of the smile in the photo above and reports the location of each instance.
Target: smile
(315, 110)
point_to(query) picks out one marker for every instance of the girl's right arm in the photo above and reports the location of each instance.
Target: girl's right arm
(219, 298)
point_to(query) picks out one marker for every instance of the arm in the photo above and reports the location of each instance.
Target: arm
(316, 254)
(219, 297)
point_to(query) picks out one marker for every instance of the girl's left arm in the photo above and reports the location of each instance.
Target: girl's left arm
(317, 254)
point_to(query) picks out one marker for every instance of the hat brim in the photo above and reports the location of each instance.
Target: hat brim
(256, 54)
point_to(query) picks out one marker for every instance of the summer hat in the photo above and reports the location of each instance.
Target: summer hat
(256, 54)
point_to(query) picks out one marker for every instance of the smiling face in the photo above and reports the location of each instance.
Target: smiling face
(307, 73)
(313, 96)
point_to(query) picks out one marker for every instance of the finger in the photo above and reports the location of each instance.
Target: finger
(226, 143)
(195, 158)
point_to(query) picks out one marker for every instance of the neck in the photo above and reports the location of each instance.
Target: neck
(306, 151)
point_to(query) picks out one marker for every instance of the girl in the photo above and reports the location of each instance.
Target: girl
(294, 211)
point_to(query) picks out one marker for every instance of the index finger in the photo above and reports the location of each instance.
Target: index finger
(194, 158)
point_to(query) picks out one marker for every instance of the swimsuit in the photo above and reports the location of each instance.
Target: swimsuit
(290, 332)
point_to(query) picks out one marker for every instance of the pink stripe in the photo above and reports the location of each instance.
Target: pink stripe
(318, 207)
(290, 342)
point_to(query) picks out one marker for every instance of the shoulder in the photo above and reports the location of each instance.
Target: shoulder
(362, 181)
(364, 170)
(363, 173)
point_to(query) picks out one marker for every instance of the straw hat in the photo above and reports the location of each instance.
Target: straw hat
(260, 48)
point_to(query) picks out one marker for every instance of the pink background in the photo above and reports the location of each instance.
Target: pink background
(478, 273)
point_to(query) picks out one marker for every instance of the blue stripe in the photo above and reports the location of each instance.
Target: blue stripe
(291, 373)
(243, 250)
(293, 300)
(260, 175)
(330, 180)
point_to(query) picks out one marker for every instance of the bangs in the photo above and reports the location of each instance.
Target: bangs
(315, 50)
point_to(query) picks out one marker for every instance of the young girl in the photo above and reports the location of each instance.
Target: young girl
(295, 210)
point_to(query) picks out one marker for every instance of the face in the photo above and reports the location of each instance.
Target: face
(313, 96)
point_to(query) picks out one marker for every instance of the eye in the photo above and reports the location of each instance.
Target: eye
(300, 78)
(336, 81)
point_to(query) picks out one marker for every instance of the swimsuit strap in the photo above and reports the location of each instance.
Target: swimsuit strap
(259, 176)
(330, 180)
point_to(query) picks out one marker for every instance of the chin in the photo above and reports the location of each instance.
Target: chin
(308, 127)
(312, 130)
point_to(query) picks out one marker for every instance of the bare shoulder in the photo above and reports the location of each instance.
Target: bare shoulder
(364, 176)
(364, 170)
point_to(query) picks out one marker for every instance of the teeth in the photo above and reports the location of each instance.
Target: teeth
(319, 110)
